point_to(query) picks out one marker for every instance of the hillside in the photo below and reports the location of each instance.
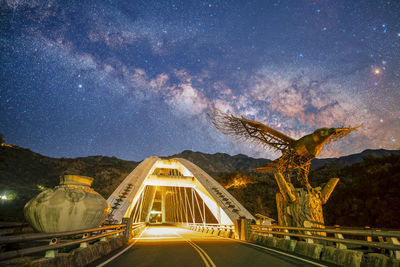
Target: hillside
(221, 162)
(352, 159)
(367, 193)
(24, 174)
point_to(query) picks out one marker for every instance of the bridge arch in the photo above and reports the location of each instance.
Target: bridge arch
(173, 191)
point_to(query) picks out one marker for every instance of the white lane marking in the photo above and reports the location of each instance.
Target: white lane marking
(277, 251)
(121, 252)
(199, 250)
(270, 249)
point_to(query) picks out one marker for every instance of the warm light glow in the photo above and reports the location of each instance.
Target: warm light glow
(156, 237)
(4, 197)
(160, 233)
(41, 187)
(240, 182)
(155, 212)
(164, 234)
(377, 71)
(6, 145)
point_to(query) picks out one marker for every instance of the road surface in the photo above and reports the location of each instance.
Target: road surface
(172, 246)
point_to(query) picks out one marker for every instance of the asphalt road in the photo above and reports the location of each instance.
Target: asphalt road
(172, 246)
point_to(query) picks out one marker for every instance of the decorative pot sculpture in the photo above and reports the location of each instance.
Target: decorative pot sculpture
(73, 205)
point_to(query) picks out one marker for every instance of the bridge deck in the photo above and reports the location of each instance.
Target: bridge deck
(173, 246)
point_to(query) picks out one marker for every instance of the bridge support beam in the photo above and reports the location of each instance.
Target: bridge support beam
(128, 228)
(244, 229)
(163, 196)
(151, 204)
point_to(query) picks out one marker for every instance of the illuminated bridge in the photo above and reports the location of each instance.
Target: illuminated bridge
(173, 191)
(175, 197)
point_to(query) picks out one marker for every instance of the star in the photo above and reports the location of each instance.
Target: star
(377, 71)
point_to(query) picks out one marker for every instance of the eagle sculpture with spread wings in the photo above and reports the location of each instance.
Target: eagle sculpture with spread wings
(296, 154)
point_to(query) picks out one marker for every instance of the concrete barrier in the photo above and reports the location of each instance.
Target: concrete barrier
(286, 244)
(224, 234)
(216, 232)
(309, 250)
(379, 260)
(342, 257)
(270, 241)
(253, 237)
(82, 256)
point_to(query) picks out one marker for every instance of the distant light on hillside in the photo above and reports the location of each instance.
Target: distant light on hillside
(240, 182)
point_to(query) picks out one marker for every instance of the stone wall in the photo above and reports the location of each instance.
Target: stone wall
(341, 257)
(329, 254)
(77, 257)
(82, 256)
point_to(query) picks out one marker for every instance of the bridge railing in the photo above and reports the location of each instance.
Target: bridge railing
(59, 240)
(211, 227)
(340, 237)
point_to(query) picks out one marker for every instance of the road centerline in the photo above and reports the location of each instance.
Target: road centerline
(199, 250)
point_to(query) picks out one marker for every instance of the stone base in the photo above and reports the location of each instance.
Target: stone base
(379, 260)
(342, 257)
(286, 244)
(82, 256)
(270, 241)
(309, 250)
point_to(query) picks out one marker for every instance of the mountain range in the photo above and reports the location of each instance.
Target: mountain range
(24, 174)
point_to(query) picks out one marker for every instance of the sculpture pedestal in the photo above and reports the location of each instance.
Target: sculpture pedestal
(299, 207)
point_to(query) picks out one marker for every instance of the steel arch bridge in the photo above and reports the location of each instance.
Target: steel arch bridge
(173, 191)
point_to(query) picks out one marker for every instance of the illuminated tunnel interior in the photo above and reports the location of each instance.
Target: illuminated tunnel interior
(167, 204)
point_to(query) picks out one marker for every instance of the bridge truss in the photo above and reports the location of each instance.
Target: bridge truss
(173, 191)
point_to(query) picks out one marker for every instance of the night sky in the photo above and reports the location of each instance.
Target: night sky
(133, 79)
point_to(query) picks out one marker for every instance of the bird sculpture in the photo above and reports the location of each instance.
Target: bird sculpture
(296, 154)
(297, 207)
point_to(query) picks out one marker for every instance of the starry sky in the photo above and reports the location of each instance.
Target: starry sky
(133, 79)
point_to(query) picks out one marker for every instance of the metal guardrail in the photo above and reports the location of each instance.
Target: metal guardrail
(219, 227)
(15, 228)
(13, 225)
(373, 238)
(55, 240)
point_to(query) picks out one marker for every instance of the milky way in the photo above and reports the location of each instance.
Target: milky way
(136, 78)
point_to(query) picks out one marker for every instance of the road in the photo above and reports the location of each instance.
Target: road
(173, 246)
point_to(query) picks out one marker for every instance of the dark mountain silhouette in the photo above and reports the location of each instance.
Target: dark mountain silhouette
(367, 194)
(221, 162)
(352, 159)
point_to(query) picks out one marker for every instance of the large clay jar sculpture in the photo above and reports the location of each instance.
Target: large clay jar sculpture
(72, 205)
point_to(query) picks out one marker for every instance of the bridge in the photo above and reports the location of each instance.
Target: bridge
(173, 191)
(169, 212)
(172, 195)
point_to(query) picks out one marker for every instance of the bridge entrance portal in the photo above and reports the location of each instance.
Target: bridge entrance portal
(173, 191)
